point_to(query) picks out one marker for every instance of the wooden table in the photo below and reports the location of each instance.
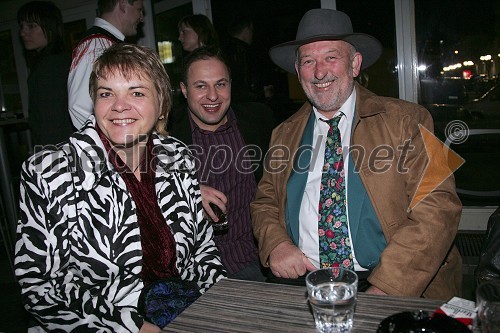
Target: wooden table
(244, 306)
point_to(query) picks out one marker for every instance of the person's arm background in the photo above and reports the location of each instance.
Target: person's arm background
(488, 268)
(80, 104)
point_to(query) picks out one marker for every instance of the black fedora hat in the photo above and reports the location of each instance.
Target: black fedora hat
(325, 24)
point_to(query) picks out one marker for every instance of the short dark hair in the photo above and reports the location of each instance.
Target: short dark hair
(203, 53)
(48, 16)
(203, 28)
(107, 6)
(238, 23)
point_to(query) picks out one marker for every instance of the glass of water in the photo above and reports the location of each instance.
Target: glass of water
(332, 294)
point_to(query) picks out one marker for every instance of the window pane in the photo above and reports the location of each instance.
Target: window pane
(73, 32)
(376, 18)
(166, 32)
(10, 97)
(459, 60)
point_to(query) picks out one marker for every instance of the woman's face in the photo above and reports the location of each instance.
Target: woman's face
(32, 36)
(188, 38)
(126, 110)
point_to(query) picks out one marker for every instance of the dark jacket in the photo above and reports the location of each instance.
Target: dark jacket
(488, 268)
(48, 99)
(236, 53)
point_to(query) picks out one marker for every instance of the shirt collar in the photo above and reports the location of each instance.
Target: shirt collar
(101, 23)
(93, 162)
(228, 126)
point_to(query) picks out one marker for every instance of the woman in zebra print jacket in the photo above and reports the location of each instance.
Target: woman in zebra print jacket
(114, 209)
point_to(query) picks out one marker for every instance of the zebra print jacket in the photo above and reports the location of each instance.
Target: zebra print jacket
(78, 250)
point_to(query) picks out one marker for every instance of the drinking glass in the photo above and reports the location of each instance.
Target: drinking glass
(488, 308)
(332, 294)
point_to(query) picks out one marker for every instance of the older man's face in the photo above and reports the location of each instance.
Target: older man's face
(326, 71)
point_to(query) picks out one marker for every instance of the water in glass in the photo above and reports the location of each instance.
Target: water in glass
(333, 306)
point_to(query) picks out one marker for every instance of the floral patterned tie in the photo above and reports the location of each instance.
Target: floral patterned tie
(334, 242)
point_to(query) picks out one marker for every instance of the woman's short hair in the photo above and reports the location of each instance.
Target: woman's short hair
(203, 28)
(48, 16)
(135, 60)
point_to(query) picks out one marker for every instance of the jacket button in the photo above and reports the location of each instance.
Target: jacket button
(172, 216)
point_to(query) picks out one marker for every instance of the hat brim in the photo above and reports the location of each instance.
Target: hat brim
(370, 48)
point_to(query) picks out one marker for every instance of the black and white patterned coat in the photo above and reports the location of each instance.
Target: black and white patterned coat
(78, 252)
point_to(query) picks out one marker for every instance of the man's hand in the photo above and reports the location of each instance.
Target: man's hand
(149, 328)
(208, 195)
(375, 291)
(287, 261)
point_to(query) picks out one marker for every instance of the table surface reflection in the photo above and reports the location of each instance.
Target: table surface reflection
(244, 306)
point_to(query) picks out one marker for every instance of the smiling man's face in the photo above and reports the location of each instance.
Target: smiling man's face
(208, 93)
(326, 71)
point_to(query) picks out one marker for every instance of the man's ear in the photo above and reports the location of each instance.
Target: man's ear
(184, 89)
(357, 60)
(297, 70)
(122, 5)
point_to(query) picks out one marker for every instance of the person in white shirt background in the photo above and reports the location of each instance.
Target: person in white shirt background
(116, 20)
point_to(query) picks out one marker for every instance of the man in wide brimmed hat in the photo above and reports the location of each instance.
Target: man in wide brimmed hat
(318, 206)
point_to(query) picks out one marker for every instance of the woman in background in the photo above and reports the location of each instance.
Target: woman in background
(195, 31)
(41, 31)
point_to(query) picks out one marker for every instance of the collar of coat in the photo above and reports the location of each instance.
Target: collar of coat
(93, 163)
